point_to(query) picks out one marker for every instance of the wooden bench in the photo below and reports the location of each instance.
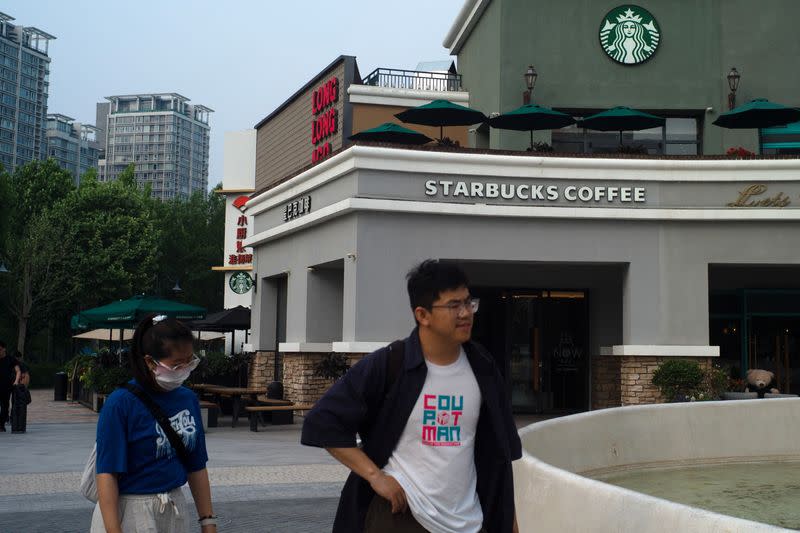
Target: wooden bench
(210, 413)
(253, 411)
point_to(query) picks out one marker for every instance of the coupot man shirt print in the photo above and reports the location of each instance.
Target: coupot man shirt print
(441, 419)
(629, 34)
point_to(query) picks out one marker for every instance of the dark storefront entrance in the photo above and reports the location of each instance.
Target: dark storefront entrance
(540, 338)
(758, 329)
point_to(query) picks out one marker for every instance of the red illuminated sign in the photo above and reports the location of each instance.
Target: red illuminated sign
(240, 257)
(326, 118)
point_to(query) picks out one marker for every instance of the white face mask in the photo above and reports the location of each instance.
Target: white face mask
(170, 379)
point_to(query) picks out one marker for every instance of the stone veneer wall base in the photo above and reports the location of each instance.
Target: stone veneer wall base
(262, 370)
(636, 378)
(300, 385)
(628, 380)
(605, 382)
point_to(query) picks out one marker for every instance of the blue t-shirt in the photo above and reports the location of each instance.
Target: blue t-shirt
(131, 443)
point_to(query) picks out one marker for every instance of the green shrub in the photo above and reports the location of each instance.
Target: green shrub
(220, 368)
(83, 361)
(331, 366)
(105, 380)
(677, 379)
(715, 382)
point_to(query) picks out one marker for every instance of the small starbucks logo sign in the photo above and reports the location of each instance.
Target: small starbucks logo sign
(629, 35)
(241, 282)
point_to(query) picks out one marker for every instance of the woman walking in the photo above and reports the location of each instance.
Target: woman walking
(139, 471)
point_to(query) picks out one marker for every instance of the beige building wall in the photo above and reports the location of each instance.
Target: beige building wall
(366, 116)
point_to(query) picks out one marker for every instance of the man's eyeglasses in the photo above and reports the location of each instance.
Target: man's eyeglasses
(469, 305)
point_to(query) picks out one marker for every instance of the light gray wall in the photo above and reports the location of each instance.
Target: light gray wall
(664, 289)
(324, 304)
(292, 256)
(389, 245)
(327, 194)
(264, 312)
(648, 280)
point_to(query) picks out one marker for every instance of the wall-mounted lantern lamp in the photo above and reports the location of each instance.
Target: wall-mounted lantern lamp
(733, 84)
(530, 82)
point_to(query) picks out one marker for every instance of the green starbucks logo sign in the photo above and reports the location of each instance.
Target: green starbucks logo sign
(241, 282)
(629, 35)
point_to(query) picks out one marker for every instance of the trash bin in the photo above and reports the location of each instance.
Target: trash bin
(20, 399)
(275, 390)
(60, 392)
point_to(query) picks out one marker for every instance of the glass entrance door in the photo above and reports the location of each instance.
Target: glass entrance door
(774, 347)
(547, 343)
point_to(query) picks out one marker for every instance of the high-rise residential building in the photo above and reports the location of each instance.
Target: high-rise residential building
(165, 137)
(72, 144)
(24, 82)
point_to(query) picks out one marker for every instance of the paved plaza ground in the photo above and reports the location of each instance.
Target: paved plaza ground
(261, 482)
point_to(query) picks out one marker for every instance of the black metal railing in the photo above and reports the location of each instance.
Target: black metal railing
(413, 79)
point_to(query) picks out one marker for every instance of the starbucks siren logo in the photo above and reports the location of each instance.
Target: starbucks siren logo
(241, 282)
(629, 34)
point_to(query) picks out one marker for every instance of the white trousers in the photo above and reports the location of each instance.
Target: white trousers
(148, 513)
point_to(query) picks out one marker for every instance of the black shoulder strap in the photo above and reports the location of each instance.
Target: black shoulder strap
(393, 363)
(163, 421)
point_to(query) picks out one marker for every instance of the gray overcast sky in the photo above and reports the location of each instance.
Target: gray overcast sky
(240, 58)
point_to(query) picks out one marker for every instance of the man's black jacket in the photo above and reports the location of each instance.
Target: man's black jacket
(358, 403)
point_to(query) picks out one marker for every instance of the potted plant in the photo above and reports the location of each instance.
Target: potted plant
(332, 366)
(678, 379)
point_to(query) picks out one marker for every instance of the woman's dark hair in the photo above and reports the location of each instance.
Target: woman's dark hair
(156, 340)
(427, 280)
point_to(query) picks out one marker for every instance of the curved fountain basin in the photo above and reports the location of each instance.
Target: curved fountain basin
(554, 494)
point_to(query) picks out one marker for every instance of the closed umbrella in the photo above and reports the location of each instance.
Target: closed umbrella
(389, 132)
(441, 113)
(758, 113)
(531, 117)
(621, 119)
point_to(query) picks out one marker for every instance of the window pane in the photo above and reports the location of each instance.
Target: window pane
(682, 129)
(681, 149)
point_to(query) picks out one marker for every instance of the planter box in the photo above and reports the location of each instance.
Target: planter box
(739, 395)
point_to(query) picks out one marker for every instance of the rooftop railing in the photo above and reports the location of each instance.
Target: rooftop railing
(413, 79)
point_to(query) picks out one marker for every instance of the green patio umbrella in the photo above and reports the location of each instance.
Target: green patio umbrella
(441, 113)
(127, 313)
(758, 113)
(531, 117)
(389, 132)
(621, 119)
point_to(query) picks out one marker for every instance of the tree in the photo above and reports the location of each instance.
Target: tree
(191, 243)
(111, 240)
(31, 242)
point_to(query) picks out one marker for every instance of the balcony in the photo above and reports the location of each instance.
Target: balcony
(414, 80)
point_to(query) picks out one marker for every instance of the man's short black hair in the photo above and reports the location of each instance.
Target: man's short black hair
(429, 279)
(2, 344)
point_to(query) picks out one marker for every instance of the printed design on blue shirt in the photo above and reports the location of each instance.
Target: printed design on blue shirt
(440, 420)
(184, 425)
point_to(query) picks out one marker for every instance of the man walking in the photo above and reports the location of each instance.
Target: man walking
(437, 436)
(9, 376)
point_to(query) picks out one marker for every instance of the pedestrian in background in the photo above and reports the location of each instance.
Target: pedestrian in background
(9, 376)
(139, 471)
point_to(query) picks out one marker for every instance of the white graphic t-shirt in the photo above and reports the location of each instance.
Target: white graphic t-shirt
(434, 460)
